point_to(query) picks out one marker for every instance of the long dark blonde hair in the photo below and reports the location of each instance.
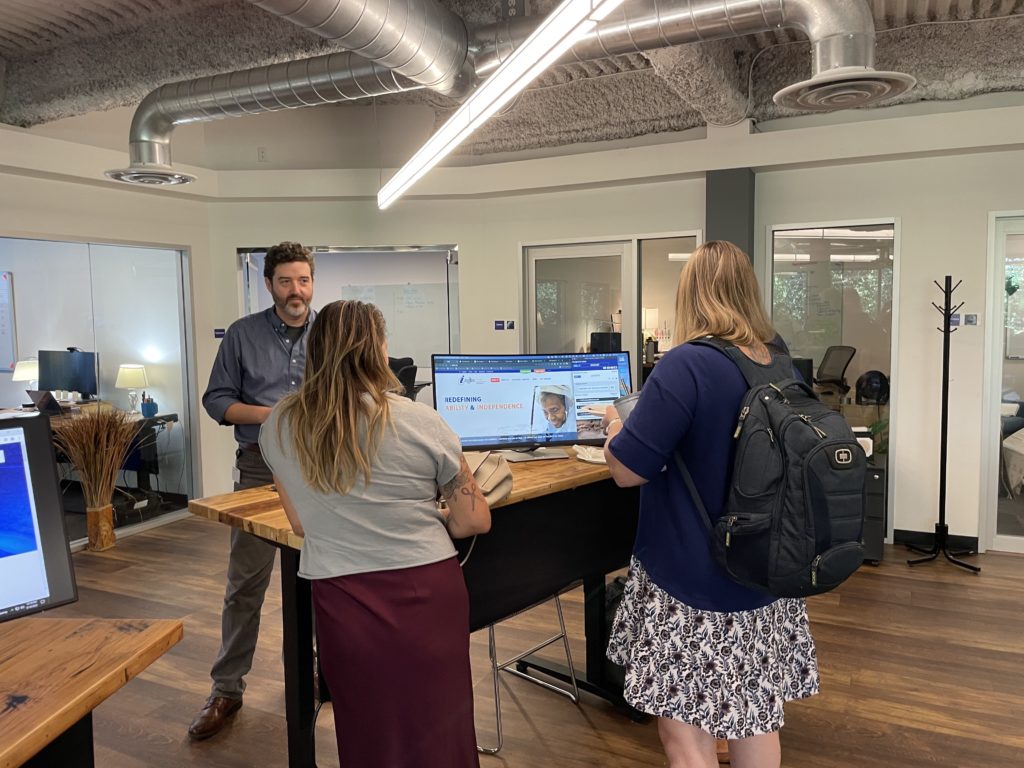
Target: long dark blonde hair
(718, 295)
(340, 412)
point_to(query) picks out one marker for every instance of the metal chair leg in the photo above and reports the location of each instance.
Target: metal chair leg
(506, 666)
(492, 651)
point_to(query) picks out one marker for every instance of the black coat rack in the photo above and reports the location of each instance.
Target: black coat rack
(941, 544)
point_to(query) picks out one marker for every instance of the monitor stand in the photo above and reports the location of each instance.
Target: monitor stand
(534, 454)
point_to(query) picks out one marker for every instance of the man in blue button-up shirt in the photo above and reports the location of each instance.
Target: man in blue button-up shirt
(261, 359)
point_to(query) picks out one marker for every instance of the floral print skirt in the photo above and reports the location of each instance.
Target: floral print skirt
(728, 674)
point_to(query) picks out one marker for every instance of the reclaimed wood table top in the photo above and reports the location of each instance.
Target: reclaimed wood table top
(53, 672)
(258, 510)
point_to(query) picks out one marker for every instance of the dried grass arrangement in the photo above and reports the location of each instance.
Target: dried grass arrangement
(97, 443)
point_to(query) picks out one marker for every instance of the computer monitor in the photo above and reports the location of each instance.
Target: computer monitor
(528, 401)
(35, 561)
(71, 370)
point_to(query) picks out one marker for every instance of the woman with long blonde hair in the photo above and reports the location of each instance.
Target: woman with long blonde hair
(359, 469)
(712, 659)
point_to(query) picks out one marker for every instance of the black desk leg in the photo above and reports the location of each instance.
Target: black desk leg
(73, 747)
(297, 614)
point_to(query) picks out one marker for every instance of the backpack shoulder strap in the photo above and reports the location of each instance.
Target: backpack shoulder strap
(755, 375)
(692, 488)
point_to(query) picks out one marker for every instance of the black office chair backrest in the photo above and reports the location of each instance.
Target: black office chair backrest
(834, 364)
(405, 371)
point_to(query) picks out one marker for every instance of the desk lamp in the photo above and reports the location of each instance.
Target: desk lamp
(131, 377)
(27, 370)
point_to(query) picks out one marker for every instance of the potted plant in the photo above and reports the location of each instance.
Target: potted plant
(97, 443)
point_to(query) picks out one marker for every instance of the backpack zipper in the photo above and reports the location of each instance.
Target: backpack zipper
(815, 564)
(730, 521)
(739, 425)
(817, 430)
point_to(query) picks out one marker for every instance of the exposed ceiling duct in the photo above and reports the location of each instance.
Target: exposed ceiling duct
(324, 79)
(841, 32)
(419, 39)
(842, 35)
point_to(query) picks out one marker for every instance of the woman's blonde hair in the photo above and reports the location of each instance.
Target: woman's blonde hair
(718, 295)
(339, 414)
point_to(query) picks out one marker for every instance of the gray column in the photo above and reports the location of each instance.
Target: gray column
(729, 208)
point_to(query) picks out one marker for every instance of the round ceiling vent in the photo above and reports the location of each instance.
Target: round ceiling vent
(151, 175)
(846, 88)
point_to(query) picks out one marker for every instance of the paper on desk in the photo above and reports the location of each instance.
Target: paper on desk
(592, 454)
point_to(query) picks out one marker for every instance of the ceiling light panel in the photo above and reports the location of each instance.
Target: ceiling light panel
(557, 33)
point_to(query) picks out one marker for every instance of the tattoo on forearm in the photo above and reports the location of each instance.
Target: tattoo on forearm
(473, 493)
(461, 478)
(464, 485)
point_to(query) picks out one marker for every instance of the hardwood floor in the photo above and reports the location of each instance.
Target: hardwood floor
(920, 667)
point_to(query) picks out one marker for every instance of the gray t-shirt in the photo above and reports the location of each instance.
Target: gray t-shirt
(393, 522)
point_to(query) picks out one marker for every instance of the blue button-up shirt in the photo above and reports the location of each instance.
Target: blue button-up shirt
(257, 364)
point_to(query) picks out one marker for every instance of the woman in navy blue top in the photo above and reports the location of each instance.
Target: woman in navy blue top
(710, 658)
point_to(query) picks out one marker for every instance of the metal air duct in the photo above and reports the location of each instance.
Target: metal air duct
(419, 39)
(308, 82)
(417, 43)
(841, 32)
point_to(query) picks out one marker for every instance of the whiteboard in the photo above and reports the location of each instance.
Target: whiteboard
(8, 340)
(416, 315)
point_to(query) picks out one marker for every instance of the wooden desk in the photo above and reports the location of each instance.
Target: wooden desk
(54, 672)
(565, 522)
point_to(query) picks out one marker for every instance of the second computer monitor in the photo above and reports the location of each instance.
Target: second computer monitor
(35, 564)
(70, 370)
(526, 401)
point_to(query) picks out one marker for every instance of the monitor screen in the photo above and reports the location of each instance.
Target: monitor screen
(35, 561)
(71, 371)
(525, 401)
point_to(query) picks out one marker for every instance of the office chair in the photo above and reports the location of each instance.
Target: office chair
(405, 371)
(832, 370)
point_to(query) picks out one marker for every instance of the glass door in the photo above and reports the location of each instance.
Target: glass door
(832, 303)
(580, 299)
(661, 261)
(1009, 275)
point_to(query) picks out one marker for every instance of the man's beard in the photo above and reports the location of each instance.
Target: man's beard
(296, 312)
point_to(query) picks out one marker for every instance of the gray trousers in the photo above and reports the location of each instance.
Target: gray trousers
(250, 566)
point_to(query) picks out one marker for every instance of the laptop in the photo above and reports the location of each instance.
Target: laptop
(44, 401)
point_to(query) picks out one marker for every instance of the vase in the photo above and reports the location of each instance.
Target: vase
(99, 522)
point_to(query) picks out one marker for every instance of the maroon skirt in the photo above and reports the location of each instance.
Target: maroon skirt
(394, 647)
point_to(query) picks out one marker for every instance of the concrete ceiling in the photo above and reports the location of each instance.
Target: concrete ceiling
(61, 58)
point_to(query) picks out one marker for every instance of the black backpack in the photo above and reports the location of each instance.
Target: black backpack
(794, 517)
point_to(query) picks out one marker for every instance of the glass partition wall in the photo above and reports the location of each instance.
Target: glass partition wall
(125, 305)
(832, 303)
(661, 259)
(579, 298)
(1009, 527)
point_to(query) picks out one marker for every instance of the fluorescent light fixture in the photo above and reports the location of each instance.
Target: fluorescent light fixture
(792, 257)
(679, 256)
(556, 34)
(840, 257)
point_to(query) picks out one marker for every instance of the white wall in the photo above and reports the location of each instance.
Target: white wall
(942, 205)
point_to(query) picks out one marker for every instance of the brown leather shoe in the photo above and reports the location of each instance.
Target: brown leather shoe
(213, 717)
